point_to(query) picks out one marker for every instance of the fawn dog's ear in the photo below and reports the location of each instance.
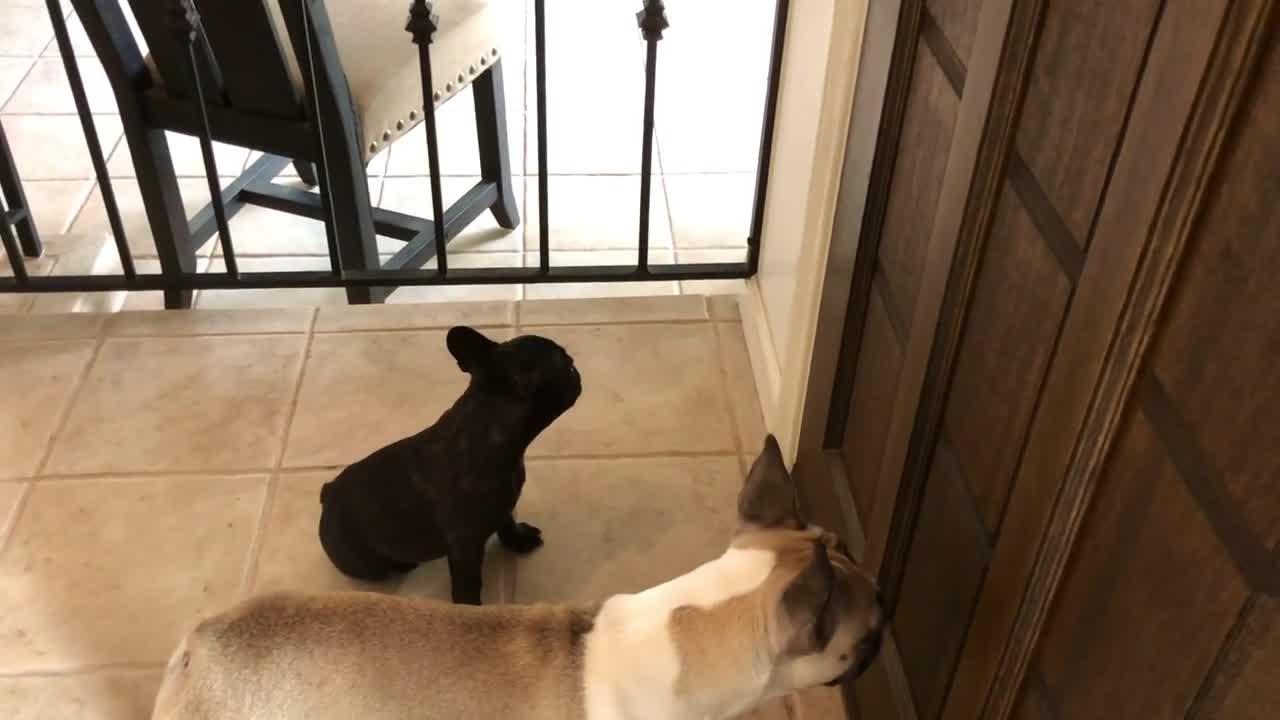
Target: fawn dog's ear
(768, 498)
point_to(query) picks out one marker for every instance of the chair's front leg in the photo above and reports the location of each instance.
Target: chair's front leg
(495, 157)
(158, 185)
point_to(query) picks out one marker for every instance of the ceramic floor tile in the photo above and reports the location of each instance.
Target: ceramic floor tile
(24, 30)
(37, 380)
(12, 71)
(92, 222)
(412, 195)
(147, 559)
(414, 316)
(123, 695)
(56, 202)
(188, 158)
(50, 327)
(597, 213)
(208, 322)
(658, 308)
(364, 390)
(51, 147)
(724, 307)
(464, 293)
(46, 89)
(646, 389)
(457, 140)
(748, 418)
(193, 403)
(575, 258)
(649, 520)
(292, 558)
(710, 211)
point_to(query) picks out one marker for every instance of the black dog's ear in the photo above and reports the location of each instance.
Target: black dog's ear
(471, 349)
(809, 602)
(768, 498)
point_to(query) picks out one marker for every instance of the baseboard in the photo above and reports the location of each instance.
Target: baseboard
(763, 354)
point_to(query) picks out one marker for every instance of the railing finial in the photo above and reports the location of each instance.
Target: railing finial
(653, 20)
(423, 21)
(184, 18)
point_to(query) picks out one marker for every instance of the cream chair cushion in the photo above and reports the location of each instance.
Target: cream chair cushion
(381, 61)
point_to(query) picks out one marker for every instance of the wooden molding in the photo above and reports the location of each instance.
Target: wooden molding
(1221, 91)
(1020, 28)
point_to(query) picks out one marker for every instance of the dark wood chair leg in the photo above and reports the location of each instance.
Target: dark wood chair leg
(306, 173)
(16, 199)
(495, 157)
(158, 184)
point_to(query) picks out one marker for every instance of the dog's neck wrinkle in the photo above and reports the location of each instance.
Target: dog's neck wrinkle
(519, 423)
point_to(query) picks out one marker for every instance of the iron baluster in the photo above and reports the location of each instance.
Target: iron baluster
(308, 67)
(189, 33)
(766, 134)
(11, 247)
(72, 68)
(422, 24)
(540, 77)
(652, 20)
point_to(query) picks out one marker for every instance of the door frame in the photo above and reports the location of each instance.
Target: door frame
(975, 165)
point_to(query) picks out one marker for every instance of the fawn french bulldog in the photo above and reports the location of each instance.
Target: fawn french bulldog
(783, 608)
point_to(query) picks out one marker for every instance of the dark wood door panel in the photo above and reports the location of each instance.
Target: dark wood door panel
(1246, 683)
(1218, 356)
(927, 131)
(1087, 64)
(1034, 703)
(958, 20)
(875, 386)
(1149, 596)
(1019, 299)
(945, 569)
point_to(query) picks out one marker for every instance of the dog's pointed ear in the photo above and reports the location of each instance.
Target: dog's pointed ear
(768, 498)
(471, 349)
(809, 605)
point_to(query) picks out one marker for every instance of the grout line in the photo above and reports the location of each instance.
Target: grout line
(268, 501)
(726, 391)
(26, 74)
(65, 414)
(11, 522)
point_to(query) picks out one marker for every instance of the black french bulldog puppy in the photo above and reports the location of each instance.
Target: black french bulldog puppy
(444, 491)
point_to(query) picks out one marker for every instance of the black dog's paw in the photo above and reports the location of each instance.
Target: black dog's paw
(521, 537)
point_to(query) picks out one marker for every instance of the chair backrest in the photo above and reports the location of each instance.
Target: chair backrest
(243, 61)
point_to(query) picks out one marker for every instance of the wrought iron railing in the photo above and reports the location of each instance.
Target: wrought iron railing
(425, 238)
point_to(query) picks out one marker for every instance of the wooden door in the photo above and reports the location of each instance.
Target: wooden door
(1037, 165)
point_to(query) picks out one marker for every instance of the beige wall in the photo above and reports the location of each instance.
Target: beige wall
(780, 308)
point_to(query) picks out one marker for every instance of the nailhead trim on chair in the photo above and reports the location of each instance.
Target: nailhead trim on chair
(437, 97)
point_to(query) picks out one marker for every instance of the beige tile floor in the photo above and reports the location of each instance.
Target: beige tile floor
(158, 465)
(713, 64)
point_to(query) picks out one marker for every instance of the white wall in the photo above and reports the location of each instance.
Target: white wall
(781, 306)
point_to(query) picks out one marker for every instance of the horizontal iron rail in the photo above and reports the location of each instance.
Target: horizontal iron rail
(370, 278)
